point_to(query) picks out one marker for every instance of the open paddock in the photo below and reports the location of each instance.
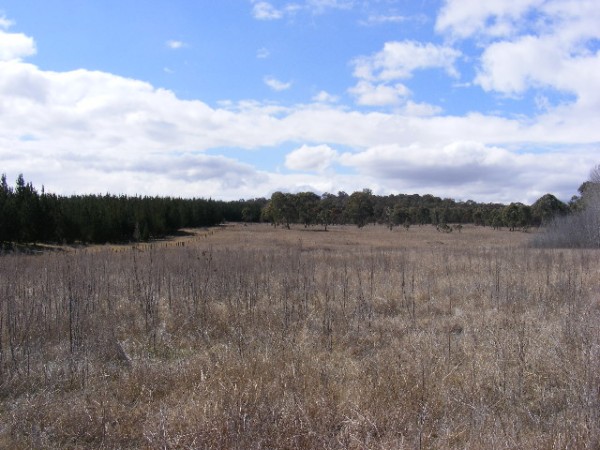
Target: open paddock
(260, 337)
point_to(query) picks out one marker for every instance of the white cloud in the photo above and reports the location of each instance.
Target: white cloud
(180, 175)
(173, 44)
(266, 11)
(546, 47)
(420, 109)
(370, 94)
(5, 23)
(90, 131)
(467, 168)
(379, 19)
(320, 6)
(575, 20)
(276, 84)
(562, 56)
(87, 131)
(513, 67)
(311, 158)
(453, 163)
(464, 18)
(15, 45)
(398, 60)
(325, 97)
(263, 10)
(263, 53)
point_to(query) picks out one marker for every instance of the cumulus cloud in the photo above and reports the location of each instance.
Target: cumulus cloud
(411, 108)
(464, 18)
(377, 73)
(454, 163)
(311, 158)
(462, 167)
(399, 59)
(90, 131)
(98, 132)
(276, 84)
(498, 19)
(325, 97)
(89, 126)
(370, 94)
(553, 58)
(193, 168)
(186, 176)
(15, 45)
(513, 67)
(558, 52)
(266, 11)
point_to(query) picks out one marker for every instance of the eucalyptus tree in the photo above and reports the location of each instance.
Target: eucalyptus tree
(546, 208)
(283, 208)
(360, 207)
(327, 210)
(516, 215)
(307, 204)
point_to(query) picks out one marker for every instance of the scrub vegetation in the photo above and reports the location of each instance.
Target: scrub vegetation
(581, 228)
(262, 337)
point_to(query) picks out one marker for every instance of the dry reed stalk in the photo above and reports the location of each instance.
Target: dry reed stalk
(350, 339)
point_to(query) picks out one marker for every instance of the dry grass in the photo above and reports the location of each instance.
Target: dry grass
(255, 337)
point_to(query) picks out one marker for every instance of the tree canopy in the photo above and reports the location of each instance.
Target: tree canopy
(363, 207)
(28, 216)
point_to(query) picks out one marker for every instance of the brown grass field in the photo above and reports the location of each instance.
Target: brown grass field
(253, 337)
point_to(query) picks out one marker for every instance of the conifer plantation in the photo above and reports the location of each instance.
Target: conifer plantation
(27, 216)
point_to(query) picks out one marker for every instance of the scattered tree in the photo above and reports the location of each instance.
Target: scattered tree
(546, 208)
(360, 207)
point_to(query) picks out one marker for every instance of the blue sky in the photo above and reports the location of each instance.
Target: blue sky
(491, 101)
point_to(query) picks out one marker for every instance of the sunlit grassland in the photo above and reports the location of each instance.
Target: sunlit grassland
(257, 337)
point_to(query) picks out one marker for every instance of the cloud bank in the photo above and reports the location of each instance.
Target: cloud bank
(88, 131)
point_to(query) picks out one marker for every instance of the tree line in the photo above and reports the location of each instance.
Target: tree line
(362, 207)
(29, 216)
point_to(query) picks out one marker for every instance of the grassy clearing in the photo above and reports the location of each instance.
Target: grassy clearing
(255, 337)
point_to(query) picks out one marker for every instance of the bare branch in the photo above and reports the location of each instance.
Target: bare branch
(595, 174)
